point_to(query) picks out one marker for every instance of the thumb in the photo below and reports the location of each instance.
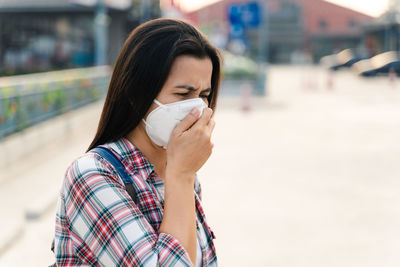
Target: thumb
(188, 121)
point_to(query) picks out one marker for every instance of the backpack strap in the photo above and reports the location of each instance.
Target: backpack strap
(134, 187)
(114, 161)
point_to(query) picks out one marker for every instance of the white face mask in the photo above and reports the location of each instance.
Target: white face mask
(161, 122)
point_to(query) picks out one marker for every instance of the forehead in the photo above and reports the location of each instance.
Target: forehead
(191, 70)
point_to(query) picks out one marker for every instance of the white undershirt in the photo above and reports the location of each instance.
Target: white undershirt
(199, 254)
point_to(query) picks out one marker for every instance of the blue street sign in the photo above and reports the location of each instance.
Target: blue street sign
(251, 14)
(236, 31)
(247, 15)
(235, 15)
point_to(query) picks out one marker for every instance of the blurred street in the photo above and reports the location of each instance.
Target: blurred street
(308, 176)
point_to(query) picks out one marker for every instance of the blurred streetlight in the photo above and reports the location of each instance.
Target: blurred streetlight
(101, 22)
(144, 10)
(101, 32)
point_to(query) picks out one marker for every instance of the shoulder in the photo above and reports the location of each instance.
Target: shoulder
(89, 169)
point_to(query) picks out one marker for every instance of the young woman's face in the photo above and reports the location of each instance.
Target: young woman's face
(190, 77)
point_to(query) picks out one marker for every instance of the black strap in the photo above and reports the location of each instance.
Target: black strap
(132, 192)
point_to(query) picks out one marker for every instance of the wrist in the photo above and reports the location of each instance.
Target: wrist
(179, 189)
(173, 176)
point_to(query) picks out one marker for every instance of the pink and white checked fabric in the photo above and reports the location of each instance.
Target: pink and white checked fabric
(98, 224)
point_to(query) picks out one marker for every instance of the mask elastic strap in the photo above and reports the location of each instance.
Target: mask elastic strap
(148, 125)
(158, 103)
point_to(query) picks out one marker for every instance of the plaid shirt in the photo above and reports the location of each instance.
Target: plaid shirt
(98, 224)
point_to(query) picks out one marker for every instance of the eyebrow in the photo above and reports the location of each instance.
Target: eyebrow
(191, 88)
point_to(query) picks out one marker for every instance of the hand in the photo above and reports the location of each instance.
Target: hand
(190, 144)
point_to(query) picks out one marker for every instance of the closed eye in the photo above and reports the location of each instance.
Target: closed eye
(204, 94)
(182, 94)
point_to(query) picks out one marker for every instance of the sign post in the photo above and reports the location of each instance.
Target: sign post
(252, 15)
(262, 50)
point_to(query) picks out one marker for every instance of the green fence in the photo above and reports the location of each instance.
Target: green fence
(26, 100)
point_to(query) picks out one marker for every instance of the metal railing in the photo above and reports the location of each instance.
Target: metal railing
(26, 100)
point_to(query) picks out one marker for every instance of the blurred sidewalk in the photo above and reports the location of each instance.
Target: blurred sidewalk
(33, 163)
(308, 177)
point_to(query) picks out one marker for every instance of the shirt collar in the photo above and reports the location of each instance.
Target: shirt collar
(133, 158)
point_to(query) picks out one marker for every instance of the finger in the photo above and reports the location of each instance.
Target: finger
(188, 121)
(205, 118)
(211, 125)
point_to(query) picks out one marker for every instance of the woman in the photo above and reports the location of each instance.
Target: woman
(157, 120)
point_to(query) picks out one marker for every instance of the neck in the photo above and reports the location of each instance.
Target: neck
(155, 154)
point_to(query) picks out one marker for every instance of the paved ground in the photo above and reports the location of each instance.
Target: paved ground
(309, 177)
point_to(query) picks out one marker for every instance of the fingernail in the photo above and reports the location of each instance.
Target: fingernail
(195, 111)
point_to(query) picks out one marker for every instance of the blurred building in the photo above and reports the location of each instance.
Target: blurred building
(286, 30)
(331, 28)
(40, 35)
(297, 29)
(383, 34)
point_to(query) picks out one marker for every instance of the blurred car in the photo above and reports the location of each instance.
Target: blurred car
(343, 59)
(379, 65)
(328, 61)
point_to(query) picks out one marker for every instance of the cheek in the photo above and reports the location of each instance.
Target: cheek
(171, 98)
(167, 97)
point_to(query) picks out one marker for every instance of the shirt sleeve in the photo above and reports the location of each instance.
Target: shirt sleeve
(107, 227)
(197, 187)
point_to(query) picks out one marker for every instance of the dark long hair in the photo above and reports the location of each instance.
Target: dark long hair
(141, 70)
